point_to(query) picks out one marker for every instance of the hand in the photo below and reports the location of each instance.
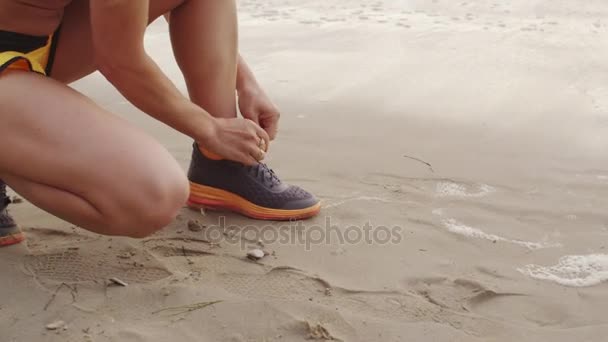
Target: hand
(237, 139)
(255, 105)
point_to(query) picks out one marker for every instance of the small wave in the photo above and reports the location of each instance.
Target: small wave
(451, 189)
(354, 199)
(572, 270)
(456, 227)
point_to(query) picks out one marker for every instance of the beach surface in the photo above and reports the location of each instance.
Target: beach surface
(459, 149)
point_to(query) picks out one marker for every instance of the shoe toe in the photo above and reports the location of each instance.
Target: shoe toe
(299, 199)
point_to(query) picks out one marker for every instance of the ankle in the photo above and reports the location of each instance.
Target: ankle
(208, 154)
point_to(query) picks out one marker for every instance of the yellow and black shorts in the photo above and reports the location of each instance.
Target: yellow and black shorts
(25, 52)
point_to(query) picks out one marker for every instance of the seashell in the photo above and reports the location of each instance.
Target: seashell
(256, 254)
(55, 325)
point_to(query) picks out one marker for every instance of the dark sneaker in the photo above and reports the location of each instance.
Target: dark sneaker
(254, 191)
(10, 233)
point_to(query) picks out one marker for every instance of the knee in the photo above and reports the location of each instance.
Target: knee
(157, 204)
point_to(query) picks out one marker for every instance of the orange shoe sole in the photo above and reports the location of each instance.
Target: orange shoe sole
(206, 197)
(11, 239)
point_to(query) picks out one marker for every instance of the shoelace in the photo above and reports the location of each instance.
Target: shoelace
(4, 200)
(3, 196)
(266, 174)
(6, 220)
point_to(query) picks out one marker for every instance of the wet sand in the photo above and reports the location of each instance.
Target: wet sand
(470, 135)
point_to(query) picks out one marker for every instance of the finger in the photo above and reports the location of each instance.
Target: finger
(259, 133)
(260, 155)
(272, 128)
(264, 136)
(247, 154)
(248, 160)
(257, 154)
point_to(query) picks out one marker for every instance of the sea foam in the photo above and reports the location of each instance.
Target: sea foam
(572, 270)
(451, 189)
(456, 227)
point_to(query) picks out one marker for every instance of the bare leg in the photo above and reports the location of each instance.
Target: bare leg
(208, 58)
(70, 157)
(208, 61)
(74, 59)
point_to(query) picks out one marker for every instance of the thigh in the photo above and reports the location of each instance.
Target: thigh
(74, 55)
(55, 136)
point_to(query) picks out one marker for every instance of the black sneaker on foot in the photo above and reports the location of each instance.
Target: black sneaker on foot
(254, 191)
(10, 233)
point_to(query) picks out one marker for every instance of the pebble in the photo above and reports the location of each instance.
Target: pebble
(124, 256)
(55, 325)
(256, 254)
(195, 226)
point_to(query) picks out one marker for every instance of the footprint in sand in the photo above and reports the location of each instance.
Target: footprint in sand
(469, 296)
(78, 259)
(258, 281)
(43, 238)
(457, 295)
(289, 284)
(72, 266)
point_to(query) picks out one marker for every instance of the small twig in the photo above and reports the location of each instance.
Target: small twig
(117, 281)
(187, 308)
(73, 292)
(420, 161)
(190, 262)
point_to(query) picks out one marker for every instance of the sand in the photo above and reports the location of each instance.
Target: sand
(474, 132)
